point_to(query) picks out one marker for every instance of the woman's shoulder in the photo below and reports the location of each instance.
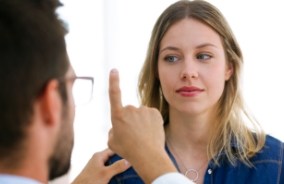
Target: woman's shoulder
(113, 159)
(272, 149)
(127, 177)
(272, 143)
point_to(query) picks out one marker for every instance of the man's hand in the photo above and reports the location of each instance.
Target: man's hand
(95, 172)
(137, 135)
(133, 126)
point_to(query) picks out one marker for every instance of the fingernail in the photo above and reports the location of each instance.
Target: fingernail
(114, 70)
(126, 163)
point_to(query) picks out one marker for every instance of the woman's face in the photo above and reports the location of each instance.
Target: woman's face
(192, 67)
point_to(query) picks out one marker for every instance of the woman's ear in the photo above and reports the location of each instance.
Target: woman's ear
(229, 71)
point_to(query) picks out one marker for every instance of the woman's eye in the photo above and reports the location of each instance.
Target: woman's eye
(203, 56)
(171, 59)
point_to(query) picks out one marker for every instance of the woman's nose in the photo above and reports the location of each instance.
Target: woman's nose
(189, 70)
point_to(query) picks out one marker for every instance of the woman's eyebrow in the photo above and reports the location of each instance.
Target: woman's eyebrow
(169, 48)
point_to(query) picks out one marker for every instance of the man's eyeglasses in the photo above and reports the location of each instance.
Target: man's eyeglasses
(82, 89)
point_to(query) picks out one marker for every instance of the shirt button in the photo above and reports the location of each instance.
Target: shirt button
(209, 171)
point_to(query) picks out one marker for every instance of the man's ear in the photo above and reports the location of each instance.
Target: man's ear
(50, 104)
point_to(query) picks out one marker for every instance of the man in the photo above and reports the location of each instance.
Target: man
(37, 104)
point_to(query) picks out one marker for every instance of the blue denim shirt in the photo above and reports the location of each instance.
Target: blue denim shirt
(268, 168)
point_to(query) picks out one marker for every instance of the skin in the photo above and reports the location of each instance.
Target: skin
(48, 145)
(43, 133)
(193, 55)
(60, 159)
(95, 172)
(139, 130)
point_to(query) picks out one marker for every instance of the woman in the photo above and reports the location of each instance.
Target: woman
(192, 75)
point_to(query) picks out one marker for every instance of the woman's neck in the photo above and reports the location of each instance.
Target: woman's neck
(193, 131)
(187, 141)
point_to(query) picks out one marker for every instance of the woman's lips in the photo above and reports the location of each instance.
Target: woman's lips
(189, 91)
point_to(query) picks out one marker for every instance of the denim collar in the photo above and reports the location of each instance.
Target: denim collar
(221, 156)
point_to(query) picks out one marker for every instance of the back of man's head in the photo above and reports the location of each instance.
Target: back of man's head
(32, 51)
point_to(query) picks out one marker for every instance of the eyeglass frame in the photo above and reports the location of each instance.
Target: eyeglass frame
(73, 79)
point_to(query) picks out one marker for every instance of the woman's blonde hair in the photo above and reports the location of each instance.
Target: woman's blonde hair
(231, 136)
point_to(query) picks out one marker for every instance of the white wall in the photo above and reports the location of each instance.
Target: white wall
(115, 33)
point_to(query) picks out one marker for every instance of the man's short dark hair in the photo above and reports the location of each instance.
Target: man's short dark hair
(32, 52)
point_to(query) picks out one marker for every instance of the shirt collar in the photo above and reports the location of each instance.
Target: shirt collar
(13, 179)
